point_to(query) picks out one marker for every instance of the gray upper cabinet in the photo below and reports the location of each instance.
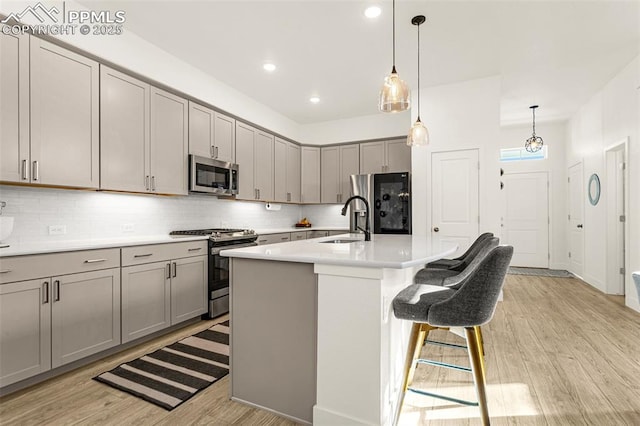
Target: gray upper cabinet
(124, 131)
(254, 155)
(211, 134)
(286, 171)
(310, 170)
(143, 136)
(338, 164)
(14, 114)
(169, 143)
(385, 156)
(64, 117)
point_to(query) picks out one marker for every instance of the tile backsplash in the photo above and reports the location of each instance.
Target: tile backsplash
(44, 214)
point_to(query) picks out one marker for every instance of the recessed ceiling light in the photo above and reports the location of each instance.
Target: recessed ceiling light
(372, 12)
(314, 99)
(269, 67)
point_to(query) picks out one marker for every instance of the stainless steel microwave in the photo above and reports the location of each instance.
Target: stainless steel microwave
(212, 176)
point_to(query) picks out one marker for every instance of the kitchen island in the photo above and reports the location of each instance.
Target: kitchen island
(313, 336)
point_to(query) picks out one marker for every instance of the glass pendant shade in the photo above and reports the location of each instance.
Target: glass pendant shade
(418, 134)
(394, 96)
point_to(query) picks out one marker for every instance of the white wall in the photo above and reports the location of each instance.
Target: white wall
(459, 116)
(554, 135)
(610, 116)
(375, 126)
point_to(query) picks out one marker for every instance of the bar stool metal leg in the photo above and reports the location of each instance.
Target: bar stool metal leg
(478, 369)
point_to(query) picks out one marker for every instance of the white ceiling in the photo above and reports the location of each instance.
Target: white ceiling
(553, 53)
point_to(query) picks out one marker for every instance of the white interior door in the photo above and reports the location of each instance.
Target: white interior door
(454, 201)
(615, 199)
(576, 214)
(525, 218)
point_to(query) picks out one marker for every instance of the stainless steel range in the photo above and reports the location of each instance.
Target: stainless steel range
(221, 239)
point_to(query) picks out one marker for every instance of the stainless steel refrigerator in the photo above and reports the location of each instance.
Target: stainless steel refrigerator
(389, 197)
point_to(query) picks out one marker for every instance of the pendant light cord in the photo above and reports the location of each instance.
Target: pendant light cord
(394, 33)
(534, 121)
(418, 72)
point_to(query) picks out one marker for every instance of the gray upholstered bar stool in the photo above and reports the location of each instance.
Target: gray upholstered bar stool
(460, 262)
(471, 305)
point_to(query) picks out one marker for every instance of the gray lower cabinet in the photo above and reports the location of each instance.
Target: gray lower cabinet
(52, 320)
(274, 238)
(317, 234)
(162, 285)
(299, 235)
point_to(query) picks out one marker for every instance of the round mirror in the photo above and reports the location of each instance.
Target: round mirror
(594, 189)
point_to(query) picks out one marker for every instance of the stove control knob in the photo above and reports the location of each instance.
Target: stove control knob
(216, 234)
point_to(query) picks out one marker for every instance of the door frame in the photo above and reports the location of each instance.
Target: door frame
(613, 243)
(582, 201)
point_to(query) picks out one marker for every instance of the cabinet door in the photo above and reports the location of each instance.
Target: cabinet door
(300, 235)
(188, 288)
(372, 158)
(280, 170)
(398, 156)
(64, 117)
(245, 136)
(310, 181)
(263, 165)
(14, 108)
(146, 299)
(293, 173)
(124, 131)
(349, 165)
(225, 138)
(25, 330)
(169, 143)
(201, 130)
(85, 314)
(330, 179)
(274, 238)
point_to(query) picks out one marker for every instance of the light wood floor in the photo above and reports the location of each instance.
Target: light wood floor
(558, 352)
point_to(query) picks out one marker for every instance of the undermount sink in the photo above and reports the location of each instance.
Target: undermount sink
(340, 241)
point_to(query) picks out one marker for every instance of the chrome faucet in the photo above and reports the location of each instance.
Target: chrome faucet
(367, 230)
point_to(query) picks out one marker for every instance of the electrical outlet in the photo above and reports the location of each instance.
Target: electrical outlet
(57, 229)
(128, 227)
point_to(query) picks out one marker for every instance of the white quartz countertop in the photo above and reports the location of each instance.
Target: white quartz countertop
(383, 251)
(90, 244)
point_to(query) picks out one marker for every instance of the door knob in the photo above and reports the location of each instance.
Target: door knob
(579, 226)
(436, 229)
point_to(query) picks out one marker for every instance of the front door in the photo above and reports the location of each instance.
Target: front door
(576, 212)
(454, 200)
(525, 218)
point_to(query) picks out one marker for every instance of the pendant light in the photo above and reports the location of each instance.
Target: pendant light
(394, 96)
(534, 143)
(418, 134)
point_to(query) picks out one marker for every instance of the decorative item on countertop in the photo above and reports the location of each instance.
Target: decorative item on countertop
(6, 225)
(303, 223)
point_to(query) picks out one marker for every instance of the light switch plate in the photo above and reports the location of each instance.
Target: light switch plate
(128, 227)
(57, 229)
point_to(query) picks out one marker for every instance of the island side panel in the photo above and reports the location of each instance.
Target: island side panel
(273, 336)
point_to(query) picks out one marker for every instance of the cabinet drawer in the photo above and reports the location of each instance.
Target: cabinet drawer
(317, 234)
(20, 268)
(159, 252)
(274, 238)
(300, 235)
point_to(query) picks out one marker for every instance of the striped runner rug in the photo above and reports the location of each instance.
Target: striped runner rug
(171, 375)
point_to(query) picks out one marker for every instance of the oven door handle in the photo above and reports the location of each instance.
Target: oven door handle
(217, 250)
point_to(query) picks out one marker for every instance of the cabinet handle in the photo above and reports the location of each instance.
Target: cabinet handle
(288, 196)
(284, 238)
(24, 169)
(146, 182)
(195, 249)
(212, 152)
(36, 171)
(45, 292)
(4, 271)
(56, 291)
(153, 183)
(167, 269)
(216, 149)
(143, 255)
(95, 260)
(175, 269)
